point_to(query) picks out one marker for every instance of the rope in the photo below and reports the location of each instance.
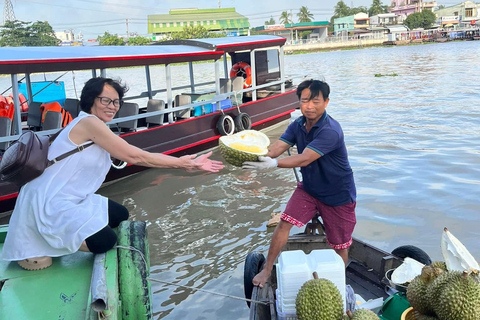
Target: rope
(189, 287)
(207, 291)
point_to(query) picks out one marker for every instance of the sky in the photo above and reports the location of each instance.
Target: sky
(93, 17)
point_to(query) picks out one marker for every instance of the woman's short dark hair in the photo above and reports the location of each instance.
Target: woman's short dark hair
(316, 87)
(94, 87)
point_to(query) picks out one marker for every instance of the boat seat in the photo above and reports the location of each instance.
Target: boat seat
(53, 120)
(128, 109)
(34, 116)
(5, 131)
(225, 85)
(182, 100)
(237, 85)
(155, 105)
(72, 106)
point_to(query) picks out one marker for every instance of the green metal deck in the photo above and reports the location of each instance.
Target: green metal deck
(59, 292)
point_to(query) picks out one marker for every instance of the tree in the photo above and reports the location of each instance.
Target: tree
(285, 18)
(109, 39)
(377, 8)
(19, 33)
(195, 32)
(341, 10)
(138, 41)
(441, 7)
(270, 22)
(424, 19)
(304, 15)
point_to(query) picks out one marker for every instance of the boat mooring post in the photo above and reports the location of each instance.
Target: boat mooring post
(254, 74)
(282, 69)
(149, 82)
(29, 87)
(217, 82)
(16, 103)
(192, 79)
(225, 65)
(103, 73)
(168, 80)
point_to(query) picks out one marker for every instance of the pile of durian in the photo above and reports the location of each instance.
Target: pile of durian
(450, 289)
(320, 299)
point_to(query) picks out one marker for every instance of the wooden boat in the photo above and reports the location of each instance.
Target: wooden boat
(109, 286)
(183, 123)
(365, 273)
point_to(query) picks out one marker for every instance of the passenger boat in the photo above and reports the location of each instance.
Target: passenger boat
(193, 115)
(367, 273)
(110, 286)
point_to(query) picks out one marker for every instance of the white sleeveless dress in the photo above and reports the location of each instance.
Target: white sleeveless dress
(57, 211)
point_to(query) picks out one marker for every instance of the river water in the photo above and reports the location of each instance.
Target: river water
(414, 146)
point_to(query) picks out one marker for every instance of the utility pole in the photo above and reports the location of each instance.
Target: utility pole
(219, 5)
(126, 22)
(8, 14)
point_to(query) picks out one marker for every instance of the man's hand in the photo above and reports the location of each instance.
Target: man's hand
(263, 163)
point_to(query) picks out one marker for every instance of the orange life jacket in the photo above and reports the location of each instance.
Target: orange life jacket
(6, 107)
(55, 107)
(23, 102)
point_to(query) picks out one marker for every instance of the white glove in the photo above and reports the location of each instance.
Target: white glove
(262, 163)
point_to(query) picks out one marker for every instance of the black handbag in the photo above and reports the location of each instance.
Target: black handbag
(27, 157)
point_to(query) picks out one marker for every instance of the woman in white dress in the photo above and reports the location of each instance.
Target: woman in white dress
(59, 213)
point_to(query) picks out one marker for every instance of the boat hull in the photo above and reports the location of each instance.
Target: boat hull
(187, 136)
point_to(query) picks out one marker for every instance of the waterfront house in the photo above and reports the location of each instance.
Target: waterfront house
(406, 7)
(215, 20)
(357, 23)
(463, 15)
(291, 31)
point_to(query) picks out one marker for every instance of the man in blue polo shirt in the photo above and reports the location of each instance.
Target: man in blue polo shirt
(327, 187)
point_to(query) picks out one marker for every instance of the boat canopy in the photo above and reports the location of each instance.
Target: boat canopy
(230, 44)
(48, 59)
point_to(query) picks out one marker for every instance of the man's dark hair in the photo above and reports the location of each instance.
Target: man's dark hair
(94, 87)
(316, 87)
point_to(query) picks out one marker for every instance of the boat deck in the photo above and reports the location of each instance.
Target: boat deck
(365, 273)
(61, 291)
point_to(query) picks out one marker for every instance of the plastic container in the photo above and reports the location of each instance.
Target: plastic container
(207, 108)
(45, 91)
(394, 306)
(284, 315)
(225, 104)
(410, 314)
(295, 267)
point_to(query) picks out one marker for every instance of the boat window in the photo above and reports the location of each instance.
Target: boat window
(273, 64)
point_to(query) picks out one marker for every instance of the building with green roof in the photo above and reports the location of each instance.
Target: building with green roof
(290, 31)
(215, 20)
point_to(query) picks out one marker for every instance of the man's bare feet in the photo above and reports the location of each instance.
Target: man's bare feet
(260, 279)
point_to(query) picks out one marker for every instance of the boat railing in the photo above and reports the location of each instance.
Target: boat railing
(168, 110)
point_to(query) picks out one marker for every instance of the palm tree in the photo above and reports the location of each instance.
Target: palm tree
(284, 18)
(377, 8)
(304, 15)
(341, 10)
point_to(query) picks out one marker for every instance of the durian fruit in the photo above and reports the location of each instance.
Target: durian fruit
(319, 299)
(436, 287)
(424, 317)
(440, 265)
(243, 146)
(459, 298)
(417, 289)
(363, 314)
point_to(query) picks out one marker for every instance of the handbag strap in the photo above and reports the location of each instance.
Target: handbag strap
(69, 153)
(66, 154)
